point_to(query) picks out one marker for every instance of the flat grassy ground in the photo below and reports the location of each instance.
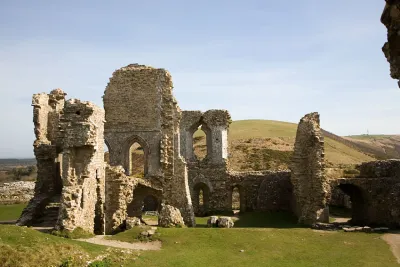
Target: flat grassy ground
(266, 240)
(11, 212)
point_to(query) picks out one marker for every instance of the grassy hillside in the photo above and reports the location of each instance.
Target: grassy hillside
(265, 144)
(383, 146)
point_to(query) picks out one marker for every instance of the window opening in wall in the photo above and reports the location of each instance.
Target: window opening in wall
(199, 144)
(106, 152)
(235, 200)
(201, 200)
(201, 194)
(136, 160)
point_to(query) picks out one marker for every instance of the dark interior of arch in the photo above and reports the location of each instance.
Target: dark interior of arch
(359, 203)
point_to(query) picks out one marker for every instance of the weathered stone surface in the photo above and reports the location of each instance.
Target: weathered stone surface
(16, 192)
(212, 221)
(132, 222)
(380, 169)
(47, 109)
(310, 186)
(391, 19)
(83, 173)
(141, 108)
(170, 217)
(225, 222)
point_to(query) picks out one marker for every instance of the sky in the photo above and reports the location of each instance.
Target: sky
(259, 59)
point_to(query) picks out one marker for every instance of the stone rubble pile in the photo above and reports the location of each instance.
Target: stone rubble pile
(16, 192)
(222, 222)
(170, 217)
(348, 228)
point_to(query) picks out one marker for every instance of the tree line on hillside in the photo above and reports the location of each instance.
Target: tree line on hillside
(18, 172)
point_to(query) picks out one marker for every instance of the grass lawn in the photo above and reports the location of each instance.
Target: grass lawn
(11, 212)
(280, 243)
(266, 240)
(25, 247)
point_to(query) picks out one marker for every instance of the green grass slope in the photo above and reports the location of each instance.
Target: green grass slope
(267, 144)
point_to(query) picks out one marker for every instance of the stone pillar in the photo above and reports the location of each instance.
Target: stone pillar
(310, 186)
(217, 123)
(46, 115)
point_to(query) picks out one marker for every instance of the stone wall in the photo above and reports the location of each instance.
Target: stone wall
(391, 19)
(124, 197)
(140, 107)
(310, 186)
(82, 136)
(275, 192)
(47, 110)
(380, 169)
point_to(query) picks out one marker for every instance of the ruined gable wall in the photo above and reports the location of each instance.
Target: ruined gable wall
(157, 130)
(132, 103)
(46, 114)
(82, 136)
(310, 186)
(210, 172)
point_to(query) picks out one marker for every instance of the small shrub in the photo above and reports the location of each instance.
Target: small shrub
(103, 263)
(75, 234)
(67, 263)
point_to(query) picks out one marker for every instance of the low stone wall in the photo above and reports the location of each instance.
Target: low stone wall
(275, 192)
(16, 192)
(380, 169)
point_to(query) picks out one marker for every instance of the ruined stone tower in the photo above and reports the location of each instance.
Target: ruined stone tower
(140, 108)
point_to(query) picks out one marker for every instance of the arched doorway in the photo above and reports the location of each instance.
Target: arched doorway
(348, 205)
(201, 195)
(146, 204)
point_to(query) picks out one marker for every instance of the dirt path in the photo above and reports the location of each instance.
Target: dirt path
(394, 242)
(100, 240)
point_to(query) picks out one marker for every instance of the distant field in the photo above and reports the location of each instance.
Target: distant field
(8, 164)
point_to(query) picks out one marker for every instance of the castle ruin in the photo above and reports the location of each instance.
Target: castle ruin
(77, 188)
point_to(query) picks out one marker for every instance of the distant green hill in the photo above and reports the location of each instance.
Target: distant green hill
(266, 144)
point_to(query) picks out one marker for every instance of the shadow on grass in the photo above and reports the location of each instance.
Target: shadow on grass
(259, 220)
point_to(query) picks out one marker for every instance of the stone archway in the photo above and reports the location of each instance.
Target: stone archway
(359, 203)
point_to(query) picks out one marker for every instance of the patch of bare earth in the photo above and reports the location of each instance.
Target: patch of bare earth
(100, 240)
(394, 242)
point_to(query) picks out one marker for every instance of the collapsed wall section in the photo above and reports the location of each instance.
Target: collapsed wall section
(310, 186)
(82, 138)
(47, 109)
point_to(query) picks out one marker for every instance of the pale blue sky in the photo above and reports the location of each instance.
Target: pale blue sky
(259, 59)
